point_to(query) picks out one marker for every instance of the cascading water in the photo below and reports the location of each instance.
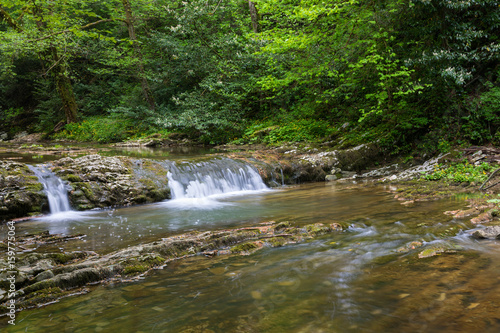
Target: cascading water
(213, 177)
(54, 188)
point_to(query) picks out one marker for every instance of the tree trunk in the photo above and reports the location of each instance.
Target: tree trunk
(254, 16)
(65, 88)
(129, 20)
(68, 97)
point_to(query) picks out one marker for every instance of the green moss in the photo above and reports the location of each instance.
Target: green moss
(63, 258)
(155, 168)
(317, 229)
(141, 199)
(73, 178)
(45, 292)
(282, 225)
(277, 241)
(43, 296)
(45, 284)
(87, 190)
(244, 247)
(142, 264)
(133, 269)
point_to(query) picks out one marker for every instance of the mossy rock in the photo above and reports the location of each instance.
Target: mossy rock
(64, 258)
(72, 178)
(244, 247)
(282, 225)
(277, 241)
(43, 296)
(142, 264)
(317, 229)
(134, 269)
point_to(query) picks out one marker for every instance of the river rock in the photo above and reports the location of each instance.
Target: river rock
(48, 274)
(95, 182)
(492, 232)
(20, 192)
(98, 181)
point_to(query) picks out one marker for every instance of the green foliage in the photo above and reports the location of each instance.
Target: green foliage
(300, 130)
(461, 172)
(99, 129)
(482, 122)
(408, 73)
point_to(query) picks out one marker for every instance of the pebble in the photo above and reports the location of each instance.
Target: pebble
(473, 306)
(157, 308)
(256, 294)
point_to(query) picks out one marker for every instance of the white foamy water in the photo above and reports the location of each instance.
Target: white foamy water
(202, 185)
(54, 187)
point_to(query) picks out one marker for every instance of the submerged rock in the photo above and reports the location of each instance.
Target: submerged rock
(47, 276)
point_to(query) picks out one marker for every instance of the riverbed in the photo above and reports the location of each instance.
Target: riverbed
(370, 277)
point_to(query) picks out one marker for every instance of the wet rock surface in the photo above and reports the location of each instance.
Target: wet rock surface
(491, 232)
(45, 277)
(94, 181)
(20, 191)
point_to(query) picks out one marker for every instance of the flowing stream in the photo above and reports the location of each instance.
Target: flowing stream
(367, 278)
(55, 189)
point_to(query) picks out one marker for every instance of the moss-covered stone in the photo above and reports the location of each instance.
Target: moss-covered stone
(43, 273)
(142, 264)
(64, 258)
(72, 178)
(43, 296)
(282, 225)
(318, 229)
(244, 247)
(20, 192)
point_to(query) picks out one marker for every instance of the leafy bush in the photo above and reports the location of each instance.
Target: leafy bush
(99, 129)
(461, 172)
(293, 131)
(482, 124)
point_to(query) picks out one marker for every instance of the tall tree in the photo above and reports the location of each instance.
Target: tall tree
(129, 20)
(254, 15)
(46, 30)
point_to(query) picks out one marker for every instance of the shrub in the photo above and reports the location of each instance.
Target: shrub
(99, 129)
(461, 172)
(293, 131)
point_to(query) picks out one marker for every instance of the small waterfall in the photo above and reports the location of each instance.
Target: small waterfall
(54, 188)
(213, 177)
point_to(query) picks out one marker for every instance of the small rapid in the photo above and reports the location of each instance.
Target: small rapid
(54, 187)
(213, 178)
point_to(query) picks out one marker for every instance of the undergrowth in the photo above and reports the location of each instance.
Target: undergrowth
(461, 172)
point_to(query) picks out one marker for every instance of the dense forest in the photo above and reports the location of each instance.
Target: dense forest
(412, 74)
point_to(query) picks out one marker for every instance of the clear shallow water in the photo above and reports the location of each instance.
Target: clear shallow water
(353, 281)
